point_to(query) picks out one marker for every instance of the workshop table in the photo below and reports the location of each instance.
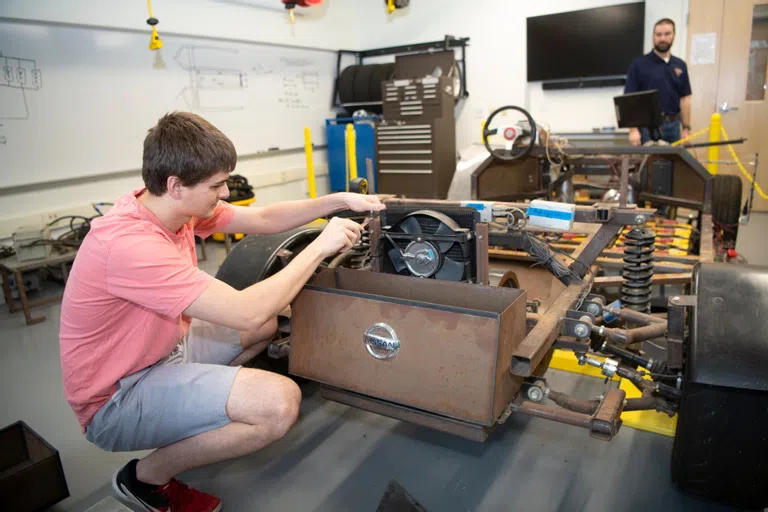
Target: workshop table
(12, 266)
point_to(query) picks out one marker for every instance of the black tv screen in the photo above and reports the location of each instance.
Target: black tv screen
(585, 44)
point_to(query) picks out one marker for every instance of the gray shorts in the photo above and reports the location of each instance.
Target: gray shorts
(179, 397)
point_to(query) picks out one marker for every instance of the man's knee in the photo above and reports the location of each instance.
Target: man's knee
(287, 412)
(277, 405)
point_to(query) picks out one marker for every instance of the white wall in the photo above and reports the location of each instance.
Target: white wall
(276, 177)
(496, 71)
(318, 27)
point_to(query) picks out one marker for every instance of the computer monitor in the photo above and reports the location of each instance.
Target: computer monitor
(639, 110)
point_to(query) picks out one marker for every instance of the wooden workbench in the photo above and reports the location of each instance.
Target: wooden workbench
(12, 266)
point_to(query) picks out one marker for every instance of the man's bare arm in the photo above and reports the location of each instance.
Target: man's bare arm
(685, 110)
(280, 217)
(251, 308)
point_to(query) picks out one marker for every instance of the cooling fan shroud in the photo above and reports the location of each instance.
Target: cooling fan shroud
(428, 244)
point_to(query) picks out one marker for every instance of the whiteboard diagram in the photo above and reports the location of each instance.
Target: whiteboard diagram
(79, 84)
(261, 70)
(297, 85)
(213, 86)
(19, 76)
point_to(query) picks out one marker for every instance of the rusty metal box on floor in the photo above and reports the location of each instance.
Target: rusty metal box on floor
(31, 474)
(440, 347)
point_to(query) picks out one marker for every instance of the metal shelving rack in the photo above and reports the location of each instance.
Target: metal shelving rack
(449, 42)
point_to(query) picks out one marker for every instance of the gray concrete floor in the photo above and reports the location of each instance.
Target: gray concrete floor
(339, 458)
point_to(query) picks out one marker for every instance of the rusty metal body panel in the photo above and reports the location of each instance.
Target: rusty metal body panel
(471, 431)
(455, 341)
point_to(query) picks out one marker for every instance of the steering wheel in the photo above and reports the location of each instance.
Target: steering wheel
(510, 134)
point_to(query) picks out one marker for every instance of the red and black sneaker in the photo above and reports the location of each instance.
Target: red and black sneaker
(171, 497)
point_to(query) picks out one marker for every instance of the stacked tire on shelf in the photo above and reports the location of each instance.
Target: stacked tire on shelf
(362, 84)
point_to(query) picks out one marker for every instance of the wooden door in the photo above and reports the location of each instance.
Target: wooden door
(736, 79)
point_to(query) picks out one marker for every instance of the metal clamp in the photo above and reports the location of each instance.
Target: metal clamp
(676, 312)
(593, 304)
(578, 324)
(536, 389)
(609, 367)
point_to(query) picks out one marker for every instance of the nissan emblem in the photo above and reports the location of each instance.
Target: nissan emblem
(381, 341)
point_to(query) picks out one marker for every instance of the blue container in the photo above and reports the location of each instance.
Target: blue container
(337, 156)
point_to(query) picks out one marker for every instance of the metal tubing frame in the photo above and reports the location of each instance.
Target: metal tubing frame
(530, 352)
(630, 336)
(539, 340)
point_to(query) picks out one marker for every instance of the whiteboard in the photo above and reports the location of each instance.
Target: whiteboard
(77, 102)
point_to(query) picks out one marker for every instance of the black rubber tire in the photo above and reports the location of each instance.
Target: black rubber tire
(254, 259)
(363, 83)
(347, 84)
(456, 75)
(382, 73)
(720, 451)
(726, 205)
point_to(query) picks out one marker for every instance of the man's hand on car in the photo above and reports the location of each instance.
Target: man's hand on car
(340, 235)
(362, 203)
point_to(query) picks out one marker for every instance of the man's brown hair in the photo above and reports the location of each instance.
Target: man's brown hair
(665, 21)
(185, 145)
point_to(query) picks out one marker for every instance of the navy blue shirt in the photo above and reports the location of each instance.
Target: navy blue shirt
(669, 78)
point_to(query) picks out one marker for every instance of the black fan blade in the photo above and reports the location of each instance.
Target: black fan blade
(443, 229)
(450, 271)
(396, 258)
(410, 225)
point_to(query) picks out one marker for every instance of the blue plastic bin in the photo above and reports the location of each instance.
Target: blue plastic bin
(337, 157)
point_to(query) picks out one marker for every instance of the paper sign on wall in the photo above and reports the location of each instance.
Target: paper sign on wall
(703, 48)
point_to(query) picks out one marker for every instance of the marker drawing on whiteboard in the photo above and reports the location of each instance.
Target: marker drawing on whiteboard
(19, 75)
(215, 82)
(302, 79)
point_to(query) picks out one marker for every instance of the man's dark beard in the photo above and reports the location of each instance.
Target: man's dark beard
(662, 47)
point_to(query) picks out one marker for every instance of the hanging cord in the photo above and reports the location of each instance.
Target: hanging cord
(741, 167)
(691, 136)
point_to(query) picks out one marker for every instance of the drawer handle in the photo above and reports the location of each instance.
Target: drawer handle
(381, 341)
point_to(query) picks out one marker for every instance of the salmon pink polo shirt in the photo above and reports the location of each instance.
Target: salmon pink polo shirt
(123, 303)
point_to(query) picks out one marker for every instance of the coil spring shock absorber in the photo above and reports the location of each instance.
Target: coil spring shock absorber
(361, 252)
(638, 269)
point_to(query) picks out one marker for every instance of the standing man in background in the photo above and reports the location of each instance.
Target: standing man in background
(668, 74)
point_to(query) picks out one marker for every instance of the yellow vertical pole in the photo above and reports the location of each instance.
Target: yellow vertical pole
(347, 141)
(310, 163)
(714, 136)
(351, 151)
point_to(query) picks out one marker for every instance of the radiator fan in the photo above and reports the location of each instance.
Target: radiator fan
(428, 244)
